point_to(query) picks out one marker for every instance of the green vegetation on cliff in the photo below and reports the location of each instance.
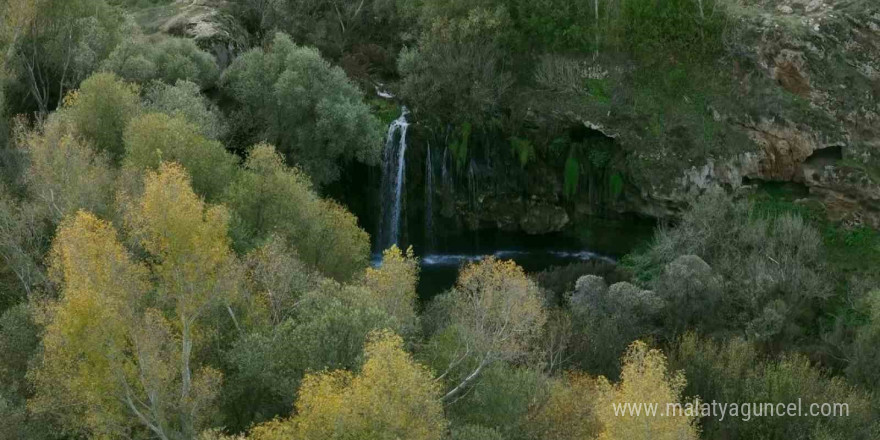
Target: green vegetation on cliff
(173, 266)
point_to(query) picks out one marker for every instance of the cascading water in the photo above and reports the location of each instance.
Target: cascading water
(429, 202)
(393, 175)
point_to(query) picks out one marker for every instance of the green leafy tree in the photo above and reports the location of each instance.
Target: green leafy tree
(334, 27)
(314, 324)
(19, 339)
(270, 198)
(143, 59)
(101, 109)
(326, 330)
(459, 71)
(863, 354)
(66, 174)
(759, 274)
(153, 138)
(58, 43)
(501, 400)
(735, 370)
(184, 99)
(309, 109)
(23, 240)
(606, 319)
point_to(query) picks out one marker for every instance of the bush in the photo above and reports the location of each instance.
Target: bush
(606, 320)
(864, 354)
(170, 59)
(155, 138)
(771, 270)
(557, 281)
(185, 100)
(270, 198)
(734, 371)
(309, 109)
(101, 109)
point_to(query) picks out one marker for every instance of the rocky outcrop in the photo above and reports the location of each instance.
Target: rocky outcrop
(828, 53)
(206, 22)
(542, 218)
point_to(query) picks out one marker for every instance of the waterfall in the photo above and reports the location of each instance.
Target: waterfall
(429, 202)
(393, 175)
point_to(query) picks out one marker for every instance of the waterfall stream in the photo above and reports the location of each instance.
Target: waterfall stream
(429, 202)
(393, 176)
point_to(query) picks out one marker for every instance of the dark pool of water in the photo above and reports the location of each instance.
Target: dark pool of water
(605, 240)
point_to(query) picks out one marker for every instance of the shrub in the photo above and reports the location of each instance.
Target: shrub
(170, 59)
(310, 110)
(185, 100)
(155, 138)
(101, 109)
(771, 269)
(734, 371)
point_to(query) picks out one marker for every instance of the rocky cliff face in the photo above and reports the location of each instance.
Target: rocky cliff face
(826, 55)
(829, 53)
(209, 24)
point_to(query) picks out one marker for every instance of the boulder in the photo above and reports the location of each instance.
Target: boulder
(543, 218)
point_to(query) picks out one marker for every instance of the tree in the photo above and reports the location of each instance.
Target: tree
(84, 375)
(500, 400)
(326, 329)
(392, 288)
(101, 109)
(143, 59)
(19, 339)
(123, 346)
(645, 380)
(314, 324)
(734, 370)
(153, 138)
(185, 100)
(864, 360)
(607, 319)
(331, 25)
(569, 411)
(275, 271)
(493, 314)
(459, 71)
(65, 174)
(23, 240)
(293, 98)
(193, 262)
(270, 198)
(392, 397)
(57, 43)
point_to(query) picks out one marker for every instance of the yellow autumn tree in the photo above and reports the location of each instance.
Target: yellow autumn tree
(194, 266)
(392, 397)
(644, 380)
(86, 374)
(568, 412)
(495, 312)
(118, 355)
(392, 287)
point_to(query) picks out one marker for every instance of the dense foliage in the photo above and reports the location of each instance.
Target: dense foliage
(309, 109)
(180, 259)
